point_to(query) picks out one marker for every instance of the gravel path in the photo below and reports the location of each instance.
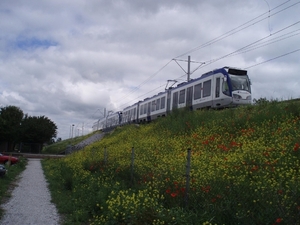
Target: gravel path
(30, 202)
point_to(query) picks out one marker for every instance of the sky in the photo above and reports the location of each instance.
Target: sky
(70, 60)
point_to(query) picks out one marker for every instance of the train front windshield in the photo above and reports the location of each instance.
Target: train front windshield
(240, 82)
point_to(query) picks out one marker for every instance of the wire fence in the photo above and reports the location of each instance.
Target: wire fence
(252, 193)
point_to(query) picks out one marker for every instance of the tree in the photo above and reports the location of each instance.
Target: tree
(38, 130)
(10, 123)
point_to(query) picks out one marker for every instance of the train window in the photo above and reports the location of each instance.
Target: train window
(181, 96)
(189, 96)
(175, 100)
(153, 106)
(142, 110)
(225, 88)
(157, 104)
(163, 102)
(197, 92)
(145, 108)
(149, 107)
(134, 113)
(206, 88)
(218, 87)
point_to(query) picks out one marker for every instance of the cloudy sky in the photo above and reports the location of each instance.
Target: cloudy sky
(70, 59)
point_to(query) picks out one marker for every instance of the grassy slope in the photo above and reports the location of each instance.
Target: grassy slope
(181, 128)
(59, 147)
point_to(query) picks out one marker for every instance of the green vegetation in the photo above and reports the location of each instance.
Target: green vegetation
(245, 169)
(17, 128)
(7, 181)
(60, 147)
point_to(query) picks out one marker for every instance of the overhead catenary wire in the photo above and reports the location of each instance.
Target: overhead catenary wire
(144, 82)
(227, 34)
(239, 28)
(269, 42)
(277, 57)
(251, 44)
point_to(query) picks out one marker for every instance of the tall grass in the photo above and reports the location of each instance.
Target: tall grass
(244, 170)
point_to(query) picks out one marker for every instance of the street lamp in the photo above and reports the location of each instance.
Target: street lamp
(72, 129)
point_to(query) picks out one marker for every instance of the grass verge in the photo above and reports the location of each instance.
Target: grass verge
(8, 181)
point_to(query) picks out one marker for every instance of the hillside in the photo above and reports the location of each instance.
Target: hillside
(244, 169)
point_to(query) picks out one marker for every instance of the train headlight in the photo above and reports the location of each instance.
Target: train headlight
(237, 96)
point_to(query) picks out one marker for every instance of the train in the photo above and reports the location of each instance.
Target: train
(220, 88)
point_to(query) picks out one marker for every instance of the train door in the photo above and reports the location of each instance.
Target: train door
(168, 109)
(189, 98)
(175, 100)
(217, 92)
(149, 111)
(217, 87)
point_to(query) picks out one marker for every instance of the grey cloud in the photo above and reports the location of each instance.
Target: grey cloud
(69, 59)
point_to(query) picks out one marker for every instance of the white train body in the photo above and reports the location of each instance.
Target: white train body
(130, 114)
(220, 88)
(152, 108)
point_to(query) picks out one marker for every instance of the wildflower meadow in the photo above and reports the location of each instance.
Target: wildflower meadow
(231, 166)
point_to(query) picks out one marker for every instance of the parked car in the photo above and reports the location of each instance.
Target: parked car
(2, 170)
(5, 158)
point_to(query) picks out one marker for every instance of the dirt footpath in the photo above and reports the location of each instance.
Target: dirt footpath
(30, 203)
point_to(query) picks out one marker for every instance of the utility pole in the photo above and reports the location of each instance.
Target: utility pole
(189, 69)
(188, 72)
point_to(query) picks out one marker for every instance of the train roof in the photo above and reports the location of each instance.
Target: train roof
(223, 70)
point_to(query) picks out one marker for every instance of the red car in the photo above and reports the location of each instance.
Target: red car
(5, 158)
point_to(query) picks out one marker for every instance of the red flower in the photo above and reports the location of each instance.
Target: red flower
(223, 147)
(279, 220)
(296, 147)
(168, 191)
(205, 142)
(254, 168)
(206, 189)
(174, 194)
(182, 190)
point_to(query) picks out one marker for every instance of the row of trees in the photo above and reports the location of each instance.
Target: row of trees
(17, 127)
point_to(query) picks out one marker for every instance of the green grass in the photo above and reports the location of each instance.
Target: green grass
(7, 181)
(245, 170)
(60, 147)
